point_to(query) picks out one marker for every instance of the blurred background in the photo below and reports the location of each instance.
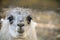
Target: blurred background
(43, 12)
(35, 4)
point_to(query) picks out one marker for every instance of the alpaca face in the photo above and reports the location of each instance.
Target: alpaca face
(19, 22)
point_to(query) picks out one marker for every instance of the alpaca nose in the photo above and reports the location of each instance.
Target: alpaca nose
(20, 25)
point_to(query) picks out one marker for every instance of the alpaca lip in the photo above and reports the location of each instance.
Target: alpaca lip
(20, 30)
(21, 35)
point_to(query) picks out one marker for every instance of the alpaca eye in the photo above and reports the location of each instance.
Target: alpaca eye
(11, 19)
(29, 18)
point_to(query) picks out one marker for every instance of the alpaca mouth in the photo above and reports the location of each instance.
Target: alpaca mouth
(20, 31)
(21, 36)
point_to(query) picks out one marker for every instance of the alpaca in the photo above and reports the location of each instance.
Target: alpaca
(18, 25)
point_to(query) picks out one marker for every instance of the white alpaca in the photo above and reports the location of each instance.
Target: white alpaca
(18, 26)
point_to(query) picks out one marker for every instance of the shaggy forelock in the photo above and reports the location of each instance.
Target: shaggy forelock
(17, 11)
(20, 13)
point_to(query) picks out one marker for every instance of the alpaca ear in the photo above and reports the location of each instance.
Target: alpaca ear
(1, 20)
(4, 24)
(29, 18)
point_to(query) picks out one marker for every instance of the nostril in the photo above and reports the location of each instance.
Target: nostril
(20, 25)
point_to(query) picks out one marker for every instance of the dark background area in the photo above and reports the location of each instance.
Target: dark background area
(35, 4)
